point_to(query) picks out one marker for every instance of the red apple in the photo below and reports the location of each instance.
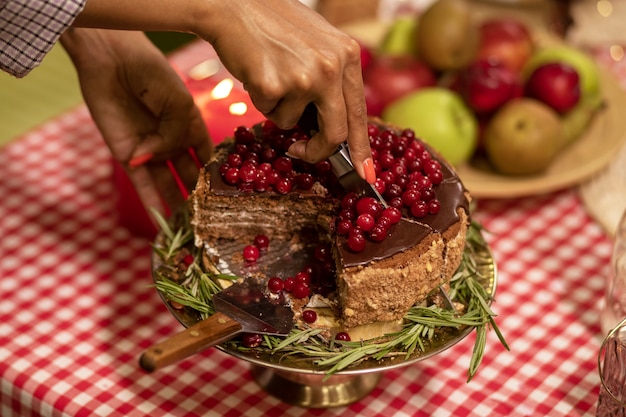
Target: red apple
(557, 84)
(486, 85)
(507, 40)
(366, 56)
(372, 101)
(391, 77)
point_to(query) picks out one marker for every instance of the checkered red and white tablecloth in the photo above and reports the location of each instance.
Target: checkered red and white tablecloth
(77, 307)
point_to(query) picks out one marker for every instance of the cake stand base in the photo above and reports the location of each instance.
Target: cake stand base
(315, 390)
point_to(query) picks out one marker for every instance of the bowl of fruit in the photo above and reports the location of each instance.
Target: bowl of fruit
(517, 110)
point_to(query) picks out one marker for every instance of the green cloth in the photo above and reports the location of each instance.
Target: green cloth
(52, 89)
(49, 90)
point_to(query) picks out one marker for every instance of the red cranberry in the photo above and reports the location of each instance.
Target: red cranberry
(234, 160)
(394, 190)
(261, 183)
(250, 253)
(434, 206)
(309, 316)
(305, 181)
(251, 340)
(393, 214)
(432, 166)
(379, 232)
(424, 156)
(347, 214)
(366, 222)
(323, 168)
(188, 259)
(380, 185)
(424, 182)
(322, 253)
(275, 285)
(349, 201)
(283, 186)
(283, 164)
(303, 277)
(301, 290)
(436, 177)
(342, 336)
(372, 130)
(273, 177)
(387, 177)
(386, 160)
(418, 147)
(409, 134)
(262, 242)
(395, 202)
(232, 176)
(356, 240)
(419, 209)
(428, 194)
(244, 135)
(343, 226)
(369, 205)
(289, 283)
(247, 173)
(268, 155)
(398, 169)
(410, 197)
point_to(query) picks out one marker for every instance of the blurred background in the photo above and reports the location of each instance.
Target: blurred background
(52, 88)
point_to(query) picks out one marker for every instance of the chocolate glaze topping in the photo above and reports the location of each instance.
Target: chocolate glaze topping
(406, 234)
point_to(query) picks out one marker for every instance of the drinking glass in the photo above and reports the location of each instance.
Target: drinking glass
(612, 368)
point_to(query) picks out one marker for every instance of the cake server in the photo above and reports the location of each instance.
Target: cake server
(242, 307)
(341, 162)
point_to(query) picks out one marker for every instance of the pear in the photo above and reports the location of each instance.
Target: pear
(523, 137)
(400, 39)
(447, 35)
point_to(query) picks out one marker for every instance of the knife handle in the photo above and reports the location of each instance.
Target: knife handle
(204, 334)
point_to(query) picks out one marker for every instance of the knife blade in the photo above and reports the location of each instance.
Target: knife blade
(349, 179)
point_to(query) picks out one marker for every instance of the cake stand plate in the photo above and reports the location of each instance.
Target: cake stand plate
(299, 381)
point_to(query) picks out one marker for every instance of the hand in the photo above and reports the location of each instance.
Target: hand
(142, 109)
(287, 56)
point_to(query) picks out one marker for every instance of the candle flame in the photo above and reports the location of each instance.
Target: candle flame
(222, 89)
(238, 109)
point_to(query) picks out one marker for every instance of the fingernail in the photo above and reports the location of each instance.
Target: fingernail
(290, 155)
(140, 160)
(370, 172)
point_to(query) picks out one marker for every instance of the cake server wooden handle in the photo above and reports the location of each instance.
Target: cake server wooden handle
(212, 331)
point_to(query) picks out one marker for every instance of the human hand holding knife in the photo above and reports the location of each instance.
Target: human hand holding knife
(341, 161)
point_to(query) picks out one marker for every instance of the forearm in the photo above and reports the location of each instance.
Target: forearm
(146, 15)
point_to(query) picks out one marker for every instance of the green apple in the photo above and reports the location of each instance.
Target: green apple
(439, 117)
(585, 66)
(400, 37)
(578, 118)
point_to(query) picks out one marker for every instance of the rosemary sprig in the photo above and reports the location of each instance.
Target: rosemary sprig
(421, 323)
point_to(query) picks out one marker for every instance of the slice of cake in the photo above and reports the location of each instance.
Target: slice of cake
(384, 260)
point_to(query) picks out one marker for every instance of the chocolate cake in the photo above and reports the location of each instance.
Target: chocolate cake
(379, 261)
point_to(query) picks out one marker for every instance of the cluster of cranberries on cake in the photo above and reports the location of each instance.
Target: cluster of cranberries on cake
(381, 260)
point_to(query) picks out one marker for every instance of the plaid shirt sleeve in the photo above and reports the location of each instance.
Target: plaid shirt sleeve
(30, 28)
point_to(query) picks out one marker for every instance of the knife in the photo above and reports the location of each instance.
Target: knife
(242, 307)
(340, 161)
(349, 179)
